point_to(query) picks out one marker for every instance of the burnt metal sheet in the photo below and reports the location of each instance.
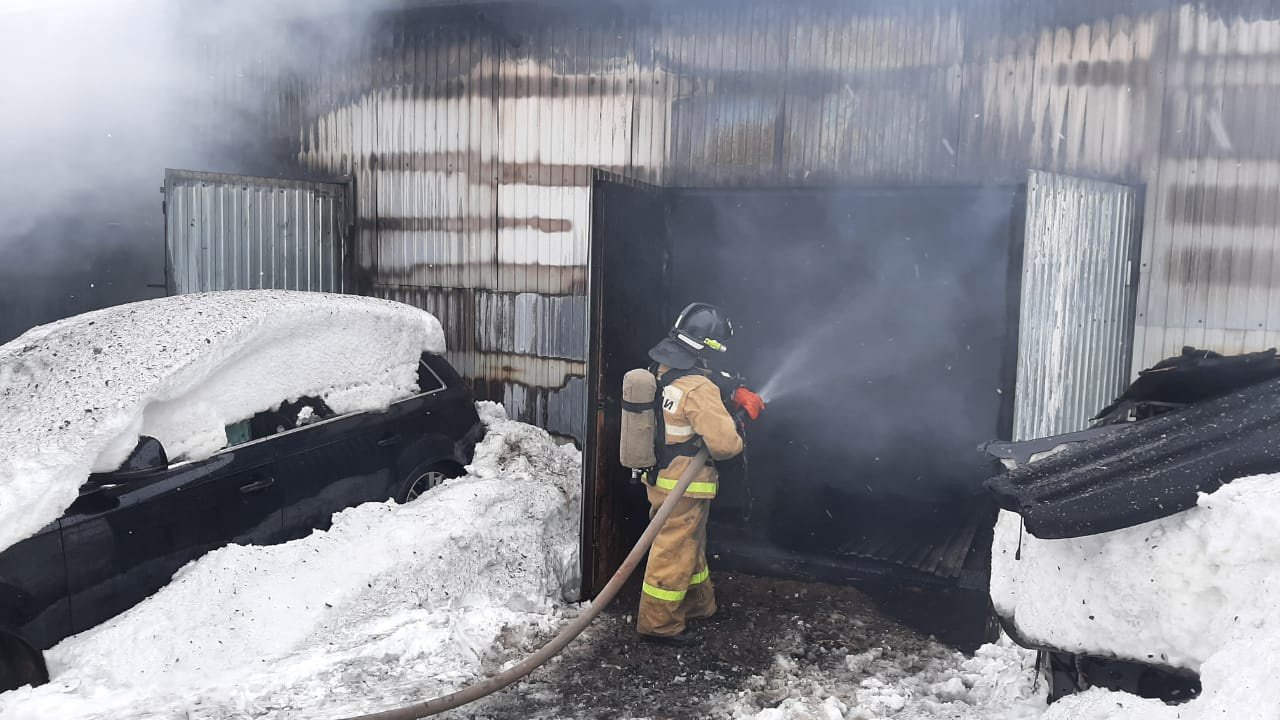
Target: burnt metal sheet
(235, 232)
(1146, 470)
(1077, 303)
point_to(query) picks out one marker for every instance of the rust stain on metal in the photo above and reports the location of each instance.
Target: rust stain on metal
(1231, 205)
(463, 224)
(551, 279)
(1222, 266)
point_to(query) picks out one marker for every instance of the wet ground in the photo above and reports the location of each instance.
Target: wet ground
(609, 673)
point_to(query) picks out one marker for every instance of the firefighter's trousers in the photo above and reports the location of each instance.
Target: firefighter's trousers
(677, 581)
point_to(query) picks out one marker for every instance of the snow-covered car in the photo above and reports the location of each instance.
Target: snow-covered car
(252, 417)
(1105, 556)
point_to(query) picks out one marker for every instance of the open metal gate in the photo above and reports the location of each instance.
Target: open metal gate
(236, 232)
(1079, 288)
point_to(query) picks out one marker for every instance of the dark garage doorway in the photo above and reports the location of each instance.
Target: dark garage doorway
(891, 315)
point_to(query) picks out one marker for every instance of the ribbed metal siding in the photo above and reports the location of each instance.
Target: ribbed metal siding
(1077, 302)
(472, 137)
(1211, 269)
(233, 232)
(473, 173)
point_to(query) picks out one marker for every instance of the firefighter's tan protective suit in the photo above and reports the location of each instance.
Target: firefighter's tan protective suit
(677, 581)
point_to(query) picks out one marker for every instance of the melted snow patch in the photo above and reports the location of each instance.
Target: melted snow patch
(76, 394)
(394, 603)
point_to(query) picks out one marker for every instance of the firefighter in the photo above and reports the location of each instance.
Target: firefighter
(677, 581)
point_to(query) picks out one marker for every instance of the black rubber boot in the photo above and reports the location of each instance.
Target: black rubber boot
(683, 639)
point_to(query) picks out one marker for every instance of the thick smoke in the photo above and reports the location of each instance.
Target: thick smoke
(101, 97)
(880, 323)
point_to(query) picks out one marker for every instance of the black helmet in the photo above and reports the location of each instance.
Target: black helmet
(699, 330)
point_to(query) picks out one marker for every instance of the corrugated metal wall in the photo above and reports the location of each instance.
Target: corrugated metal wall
(471, 135)
(234, 232)
(1211, 270)
(1077, 302)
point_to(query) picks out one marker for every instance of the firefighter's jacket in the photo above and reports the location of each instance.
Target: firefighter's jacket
(692, 408)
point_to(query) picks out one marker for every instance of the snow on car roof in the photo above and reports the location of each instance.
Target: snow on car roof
(75, 395)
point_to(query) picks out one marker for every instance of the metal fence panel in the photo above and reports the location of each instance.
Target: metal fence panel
(236, 232)
(1077, 303)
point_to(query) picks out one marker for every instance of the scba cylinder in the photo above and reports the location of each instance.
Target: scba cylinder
(639, 388)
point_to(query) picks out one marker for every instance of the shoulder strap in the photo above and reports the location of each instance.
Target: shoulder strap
(663, 451)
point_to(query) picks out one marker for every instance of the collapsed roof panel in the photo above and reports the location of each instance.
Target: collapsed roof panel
(1135, 472)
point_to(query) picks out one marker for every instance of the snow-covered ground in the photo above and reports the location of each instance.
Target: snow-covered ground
(926, 681)
(76, 394)
(394, 603)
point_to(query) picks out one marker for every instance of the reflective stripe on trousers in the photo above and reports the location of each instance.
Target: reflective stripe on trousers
(677, 595)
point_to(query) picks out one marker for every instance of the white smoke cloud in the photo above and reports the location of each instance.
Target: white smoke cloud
(98, 97)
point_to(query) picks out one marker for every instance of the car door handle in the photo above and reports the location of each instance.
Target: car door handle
(262, 484)
(389, 440)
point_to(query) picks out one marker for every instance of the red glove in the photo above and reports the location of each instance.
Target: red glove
(749, 402)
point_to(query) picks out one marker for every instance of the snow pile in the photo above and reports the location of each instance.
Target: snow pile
(76, 394)
(923, 680)
(1197, 590)
(394, 603)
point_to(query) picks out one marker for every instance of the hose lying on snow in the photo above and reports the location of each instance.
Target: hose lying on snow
(570, 631)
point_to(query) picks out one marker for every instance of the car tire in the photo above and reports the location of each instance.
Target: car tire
(420, 481)
(20, 664)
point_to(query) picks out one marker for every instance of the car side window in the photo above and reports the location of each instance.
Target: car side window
(288, 416)
(238, 433)
(428, 381)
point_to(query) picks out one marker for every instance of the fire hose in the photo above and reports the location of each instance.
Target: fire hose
(568, 633)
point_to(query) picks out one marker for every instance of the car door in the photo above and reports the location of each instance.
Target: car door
(439, 426)
(33, 589)
(125, 541)
(344, 461)
(333, 465)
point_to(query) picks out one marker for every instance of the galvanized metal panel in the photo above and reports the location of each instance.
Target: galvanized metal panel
(1077, 302)
(235, 232)
(1211, 272)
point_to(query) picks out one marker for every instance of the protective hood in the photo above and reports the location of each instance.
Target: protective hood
(674, 355)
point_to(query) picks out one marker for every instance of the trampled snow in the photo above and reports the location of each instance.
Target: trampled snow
(394, 603)
(76, 394)
(925, 682)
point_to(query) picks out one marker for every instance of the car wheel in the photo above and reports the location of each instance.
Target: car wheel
(422, 481)
(20, 664)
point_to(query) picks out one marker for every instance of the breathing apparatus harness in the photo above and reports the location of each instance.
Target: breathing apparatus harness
(645, 465)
